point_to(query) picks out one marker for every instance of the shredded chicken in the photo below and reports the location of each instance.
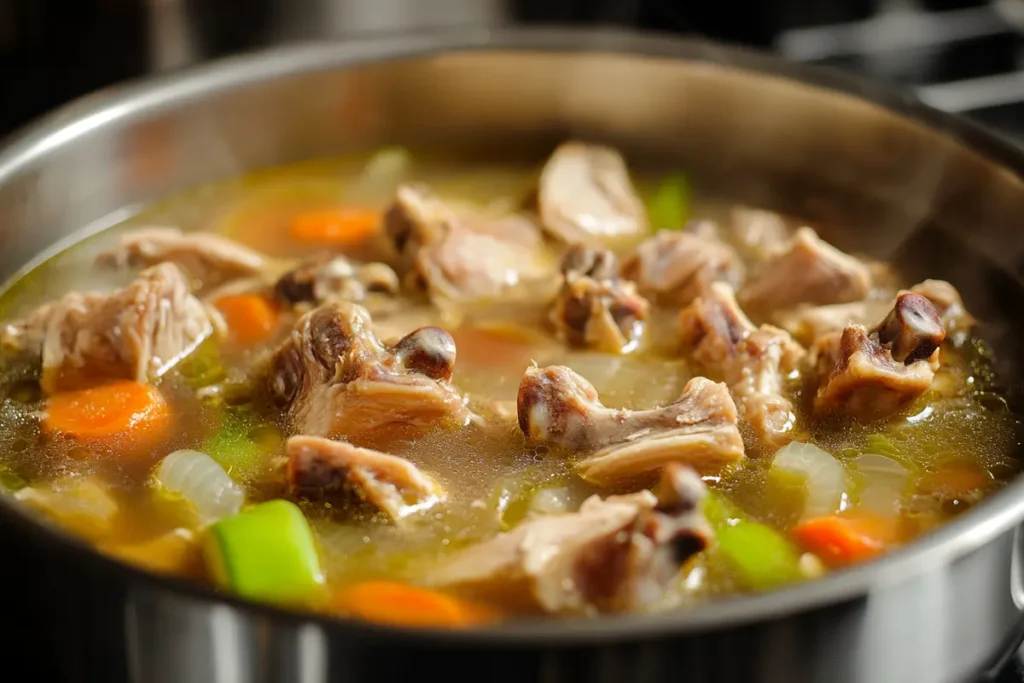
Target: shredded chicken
(337, 378)
(807, 271)
(596, 309)
(754, 361)
(615, 554)
(585, 195)
(205, 257)
(335, 278)
(460, 258)
(393, 485)
(560, 408)
(673, 268)
(870, 375)
(139, 332)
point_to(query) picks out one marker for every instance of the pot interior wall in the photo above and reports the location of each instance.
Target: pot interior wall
(872, 179)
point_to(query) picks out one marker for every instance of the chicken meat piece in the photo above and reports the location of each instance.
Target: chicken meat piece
(585, 196)
(755, 362)
(955, 318)
(674, 268)
(615, 554)
(559, 408)
(873, 374)
(336, 377)
(458, 258)
(595, 308)
(333, 277)
(758, 233)
(138, 332)
(322, 468)
(807, 270)
(809, 323)
(204, 257)
(824, 353)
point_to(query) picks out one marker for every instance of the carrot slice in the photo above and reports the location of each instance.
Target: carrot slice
(123, 413)
(340, 227)
(398, 604)
(251, 318)
(845, 539)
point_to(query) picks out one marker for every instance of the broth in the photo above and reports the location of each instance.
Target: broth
(900, 474)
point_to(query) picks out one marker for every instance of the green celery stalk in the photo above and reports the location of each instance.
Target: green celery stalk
(242, 444)
(203, 366)
(266, 552)
(669, 205)
(761, 557)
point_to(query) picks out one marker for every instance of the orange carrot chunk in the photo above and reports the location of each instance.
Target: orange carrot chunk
(845, 539)
(398, 604)
(130, 415)
(251, 318)
(341, 227)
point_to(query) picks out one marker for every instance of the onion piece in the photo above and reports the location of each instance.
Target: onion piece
(822, 474)
(552, 501)
(199, 479)
(883, 482)
(381, 175)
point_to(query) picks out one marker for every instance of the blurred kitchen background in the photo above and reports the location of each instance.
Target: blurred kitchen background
(962, 55)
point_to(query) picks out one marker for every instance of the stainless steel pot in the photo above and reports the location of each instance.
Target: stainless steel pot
(892, 176)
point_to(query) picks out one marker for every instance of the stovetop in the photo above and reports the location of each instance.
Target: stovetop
(967, 60)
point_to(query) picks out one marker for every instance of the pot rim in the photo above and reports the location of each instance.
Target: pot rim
(991, 518)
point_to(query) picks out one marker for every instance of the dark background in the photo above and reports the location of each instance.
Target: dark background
(54, 50)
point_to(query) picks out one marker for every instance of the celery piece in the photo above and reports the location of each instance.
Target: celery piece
(203, 366)
(761, 557)
(266, 552)
(243, 443)
(669, 205)
(11, 481)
